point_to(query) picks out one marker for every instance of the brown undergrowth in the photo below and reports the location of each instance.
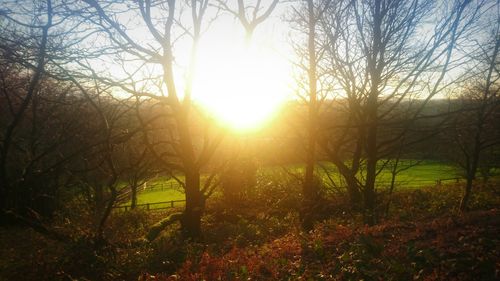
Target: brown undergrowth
(423, 238)
(464, 247)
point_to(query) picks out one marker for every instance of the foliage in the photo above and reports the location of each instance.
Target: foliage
(261, 240)
(458, 248)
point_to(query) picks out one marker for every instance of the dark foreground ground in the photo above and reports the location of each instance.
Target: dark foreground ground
(424, 238)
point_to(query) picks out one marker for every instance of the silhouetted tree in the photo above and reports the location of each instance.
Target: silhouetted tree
(248, 13)
(380, 53)
(185, 147)
(312, 92)
(474, 129)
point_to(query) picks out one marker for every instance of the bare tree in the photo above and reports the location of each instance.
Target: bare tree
(248, 14)
(139, 168)
(312, 92)
(19, 105)
(186, 147)
(381, 53)
(35, 39)
(473, 130)
(42, 125)
(102, 170)
(310, 188)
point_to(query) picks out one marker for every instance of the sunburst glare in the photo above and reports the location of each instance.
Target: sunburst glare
(242, 87)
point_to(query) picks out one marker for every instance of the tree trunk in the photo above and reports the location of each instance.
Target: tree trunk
(133, 195)
(310, 187)
(108, 207)
(310, 192)
(3, 204)
(369, 203)
(353, 191)
(467, 192)
(371, 153)
(375, 70)
(195, 205)
(391, 189)
(472, 165)
(349, 176)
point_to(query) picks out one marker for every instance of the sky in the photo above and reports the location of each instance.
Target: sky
(244, 81)
(241, 82)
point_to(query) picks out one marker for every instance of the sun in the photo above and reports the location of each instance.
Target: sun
(241, 86)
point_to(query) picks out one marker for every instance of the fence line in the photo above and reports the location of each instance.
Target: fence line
(414, 182)
(172, 203)
(159, 186)
(150, 206)
(175, 185)
(436, 181)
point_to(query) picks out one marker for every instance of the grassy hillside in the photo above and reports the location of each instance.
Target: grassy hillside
(424, 173)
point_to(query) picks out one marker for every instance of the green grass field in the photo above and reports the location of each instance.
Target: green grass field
(159, 190)
(417, 174)
(424, 174)
(414, 175)
(160, 195)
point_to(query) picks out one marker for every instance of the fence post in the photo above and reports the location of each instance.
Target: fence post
(147, 206)
(172, 203)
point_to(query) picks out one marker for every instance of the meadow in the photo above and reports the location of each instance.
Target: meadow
(414, 175)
